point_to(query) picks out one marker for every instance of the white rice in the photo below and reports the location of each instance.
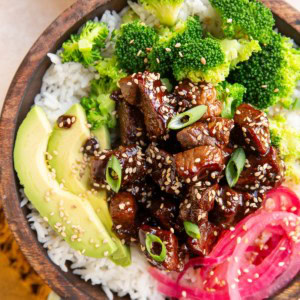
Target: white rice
(64, 85)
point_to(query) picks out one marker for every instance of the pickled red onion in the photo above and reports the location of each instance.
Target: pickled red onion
(248, 271)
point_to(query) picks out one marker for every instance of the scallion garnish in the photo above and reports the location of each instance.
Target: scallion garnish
(187, 118)
(235, 166)
(192, 230)
(114, 173)
(150, 239)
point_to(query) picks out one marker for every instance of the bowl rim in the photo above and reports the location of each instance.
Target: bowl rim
(26, 238)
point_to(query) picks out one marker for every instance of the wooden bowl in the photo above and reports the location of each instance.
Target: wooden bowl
(25, 85)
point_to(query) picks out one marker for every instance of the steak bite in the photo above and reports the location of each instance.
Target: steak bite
(261, 172)
(171, 261)
(155, 106)
(131, 160)
(164, 211)
(132, 128)
(123, 209)
(254, 126)
(231, 206)
(147, 92)
(214, 132)
(142, 190)
(162, 170)
(201, 163)
(208, 236)
(227, 206)
(130, 88)
(191, 95)
(198, 203)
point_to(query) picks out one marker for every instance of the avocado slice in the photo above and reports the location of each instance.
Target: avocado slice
(103, 137)
(71, 170)
(69, 215)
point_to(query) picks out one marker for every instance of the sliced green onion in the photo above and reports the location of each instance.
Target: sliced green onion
(167, 83)
(235, 166)
(192, 230)
(188, 117)
(114, 173)
(150, 239)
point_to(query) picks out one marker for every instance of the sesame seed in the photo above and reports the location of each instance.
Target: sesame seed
(183, 294)
(281, 264)
(178, 45)
(203, 61)
(121, 205)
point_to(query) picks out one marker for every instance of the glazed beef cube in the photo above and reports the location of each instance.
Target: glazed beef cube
(195, 135)
(190, 95)
(155, 107)
(198, 203)
(232, 206)
(123, 210)
(201, 163)
(132, 162)
(215, 132)
(208, 237)
(162, 170)
(172, 261)
(261, 172)
(254, 126)
(146, 91)
(132, 128)
(165, 211)
(252, 202)
(227, 206)
(142, 190)
(130, 88)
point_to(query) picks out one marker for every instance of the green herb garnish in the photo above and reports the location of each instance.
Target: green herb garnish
(187, 118)
(150, 239)
(235, 166)
(114, 173)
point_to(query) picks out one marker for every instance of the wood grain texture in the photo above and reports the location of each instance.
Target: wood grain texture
(287, 18)
(25, 85)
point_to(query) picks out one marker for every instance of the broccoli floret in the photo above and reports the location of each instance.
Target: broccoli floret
(71, 51)
(166, 11)
(167, 49)
(99, 106)
(109, 74)
(245, 19)
(271, 75)
(211, 59)
(287, 140)
(134, 40)
(86, 46)
(231, 95)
